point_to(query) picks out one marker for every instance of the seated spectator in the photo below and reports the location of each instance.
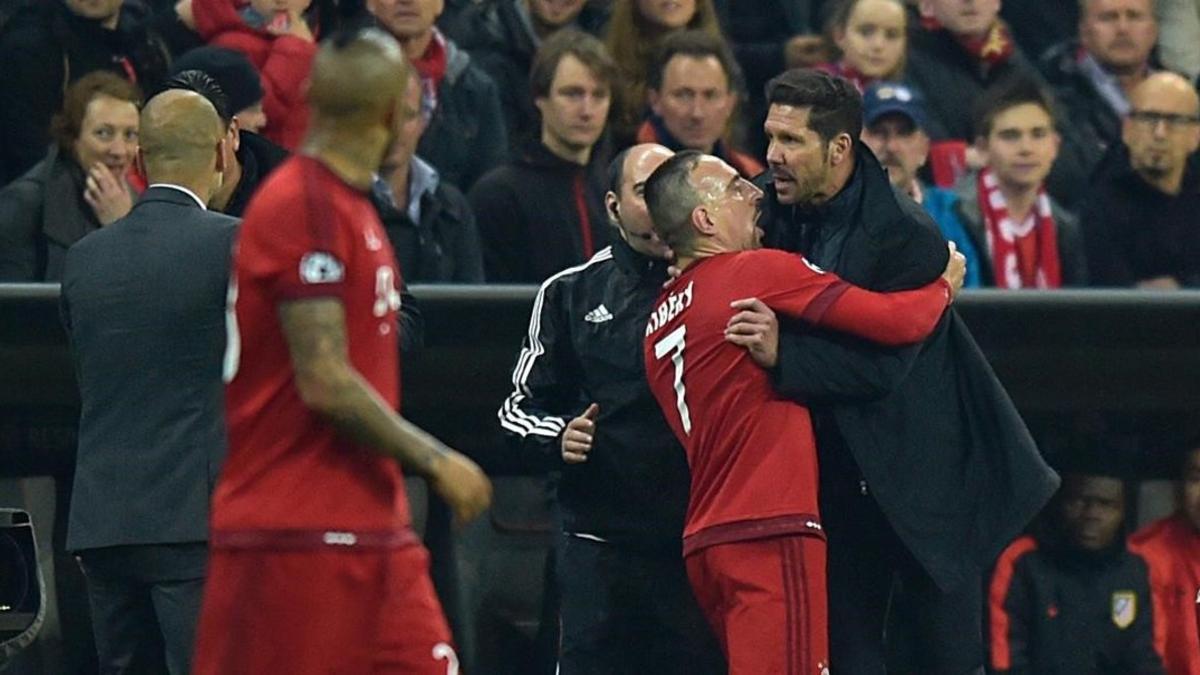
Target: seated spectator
(428, 221)
(960, 49)
(635, 35)
(79, 186)
(1140, 223)
(281, 45)
(1022, 237)
(48, 45)
(1179, 36)
(465, 137)
(544, 211)
(502, 36)
(1092, 76)
(1171, 547)
(872, 36)
(229, 82)
(894, 129)
(693, 91)
(1075, 600)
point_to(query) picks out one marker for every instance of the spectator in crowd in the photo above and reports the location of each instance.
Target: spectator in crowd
(872, 37)
(693, 90)
(1075, 600)
(544, 211)
(280, 43)
(635, 34)
(47, 46)
(1179, 36)
(502, 36)
(1093, 74)
(1171, 547)
(143, 302)
(250, 158)
(961, 48)
(1140, 221)
(465, 137)
(428, 221)
(1038, 25)
(894, 130)
(79, 186)
(1019, 236)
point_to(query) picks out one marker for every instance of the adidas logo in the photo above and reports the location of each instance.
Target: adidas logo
(598, 315)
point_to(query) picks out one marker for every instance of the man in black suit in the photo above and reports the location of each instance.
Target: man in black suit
(143, 301)
(927, 470)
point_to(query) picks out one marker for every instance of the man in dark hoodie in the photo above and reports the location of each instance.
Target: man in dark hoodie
(252, 157)
(545, 210)
(47, 45)
(503, 36)
(1075, 599)
(926, 468)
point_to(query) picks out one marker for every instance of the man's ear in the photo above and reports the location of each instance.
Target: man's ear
(840, 148)
(221, 155)
(702, 222)
(235, 133)
(611, 205)
(652, 99)
(140, 161)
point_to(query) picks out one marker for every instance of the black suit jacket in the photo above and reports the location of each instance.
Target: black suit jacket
(143, 302)
(944, 450)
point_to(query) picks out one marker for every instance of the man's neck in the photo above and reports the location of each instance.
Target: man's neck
(354, 155)
(111, 22)
(229, 185)
(579, 156)
(1170, 183)
(414, 48)
(1019, 199)
(540, 28)
(1129, 78)
(398, 180)
(199, 186)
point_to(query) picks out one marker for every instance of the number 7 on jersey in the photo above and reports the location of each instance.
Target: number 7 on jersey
(673, 343)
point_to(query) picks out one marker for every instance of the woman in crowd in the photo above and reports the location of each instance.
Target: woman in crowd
(82, 184)
(872, 37)
(635, 32)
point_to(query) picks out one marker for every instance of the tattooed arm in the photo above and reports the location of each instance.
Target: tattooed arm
(330, 386)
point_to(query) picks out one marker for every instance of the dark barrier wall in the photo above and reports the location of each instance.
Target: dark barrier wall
(1057, 352)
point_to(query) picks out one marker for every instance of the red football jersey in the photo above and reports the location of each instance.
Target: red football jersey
(752, 453)
(307, 234)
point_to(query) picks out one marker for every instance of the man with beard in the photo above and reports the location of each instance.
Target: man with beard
(926, 468)
(1140, 225)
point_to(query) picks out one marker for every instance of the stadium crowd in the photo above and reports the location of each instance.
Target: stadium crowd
(1055, 143)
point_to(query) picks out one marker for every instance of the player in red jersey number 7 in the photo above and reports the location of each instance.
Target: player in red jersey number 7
(753, 541)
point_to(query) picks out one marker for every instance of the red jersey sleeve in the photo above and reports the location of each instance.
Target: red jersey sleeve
(295, 244)
(796, 288)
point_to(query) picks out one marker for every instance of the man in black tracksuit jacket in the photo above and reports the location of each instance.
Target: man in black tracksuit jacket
(927, 470)
(627, 607)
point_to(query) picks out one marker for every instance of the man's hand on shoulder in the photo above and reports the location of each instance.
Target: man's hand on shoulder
(756, 328)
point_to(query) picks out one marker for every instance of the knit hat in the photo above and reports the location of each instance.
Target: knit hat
(232, 71)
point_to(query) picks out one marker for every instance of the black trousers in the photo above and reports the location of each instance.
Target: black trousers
(145, 603)
(886, 615)
(627, 612)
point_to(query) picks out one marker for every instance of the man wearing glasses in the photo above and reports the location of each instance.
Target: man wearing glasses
(1141, 226)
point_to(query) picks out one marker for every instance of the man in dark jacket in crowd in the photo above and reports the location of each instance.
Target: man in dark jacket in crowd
(1140, 226)
(466, 136)
(545, 210)
(1093, 75)
(428, 221)
(502, 36)
(48, 45)
(927, 470)
(251, 158)
(1075, 601)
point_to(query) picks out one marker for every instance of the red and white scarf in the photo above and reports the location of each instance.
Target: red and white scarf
(996, 46)
(1024, 255)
